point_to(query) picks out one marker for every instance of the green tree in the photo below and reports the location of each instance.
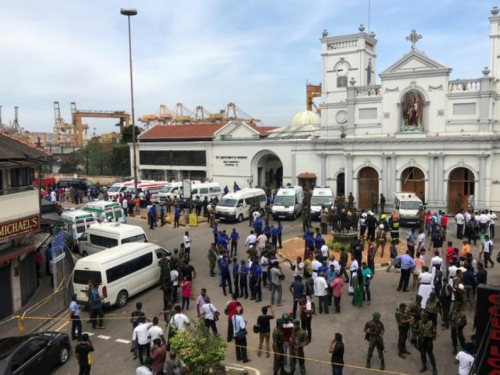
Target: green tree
(127, 134)
(199, 349)
(120, 160)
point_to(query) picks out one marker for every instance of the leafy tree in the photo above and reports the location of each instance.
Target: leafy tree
(120, 160)
(127, 134)
(201, 350)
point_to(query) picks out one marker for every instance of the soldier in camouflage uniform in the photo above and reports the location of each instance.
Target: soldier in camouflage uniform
(267, 212)
(415, 310)
(278, 342)
(164, 264)
(457, 291)
(433, 308)
(426, 334)
(458, 322)
(374, 330)
(343, 264)
(403, 319)
(298, 340)
(212, 259)
(175, 261)
(250, 214)
(306, 218)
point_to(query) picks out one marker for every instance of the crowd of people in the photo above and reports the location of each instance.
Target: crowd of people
(445, 286)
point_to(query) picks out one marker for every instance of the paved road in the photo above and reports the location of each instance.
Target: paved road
(113, 344)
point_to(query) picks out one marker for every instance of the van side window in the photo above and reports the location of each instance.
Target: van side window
(80, 226)
(214, 189)
(138, 238)
(203, 190)
(128, 268)
(248, 201)
(103, 241)
(83, 237)
(262, 198)
(194, 191)
(160, 253)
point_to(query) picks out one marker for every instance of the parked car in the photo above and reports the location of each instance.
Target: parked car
(35, 354)
(75, 183)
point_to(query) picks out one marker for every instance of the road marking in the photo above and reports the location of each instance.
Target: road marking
(103, 337)
(62, 326)
(123, 341)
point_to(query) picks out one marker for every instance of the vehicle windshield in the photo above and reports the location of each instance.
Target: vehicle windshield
(80, 226)
(318, 200)
(281, 200)
(166, 189)
(114, 189)
(83, 277)
(226, 202)
(410, 205)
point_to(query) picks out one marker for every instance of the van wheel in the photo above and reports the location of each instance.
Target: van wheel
(85, 254)
(240, 218)
(122, 298)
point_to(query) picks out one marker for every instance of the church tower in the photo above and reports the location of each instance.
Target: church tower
(345, 58)
(495, 43)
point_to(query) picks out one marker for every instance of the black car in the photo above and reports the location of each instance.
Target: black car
(34, 354)
(75, 183)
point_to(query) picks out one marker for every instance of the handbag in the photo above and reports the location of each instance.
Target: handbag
(216, 314)
(281, 277)
(241, 334)
(256, 328)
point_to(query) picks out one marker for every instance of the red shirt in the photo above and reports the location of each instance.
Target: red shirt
(428, 219)
(38, 258)
(231, 309)
(449, 254)
(444, 221)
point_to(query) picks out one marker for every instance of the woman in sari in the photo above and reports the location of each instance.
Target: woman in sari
(357, 283)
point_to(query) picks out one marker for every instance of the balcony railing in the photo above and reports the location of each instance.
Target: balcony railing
(368, 91)
(462, 85)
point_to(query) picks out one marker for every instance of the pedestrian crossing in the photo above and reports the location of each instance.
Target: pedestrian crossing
(103, 337)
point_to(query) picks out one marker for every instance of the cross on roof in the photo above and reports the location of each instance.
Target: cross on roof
(413, 38)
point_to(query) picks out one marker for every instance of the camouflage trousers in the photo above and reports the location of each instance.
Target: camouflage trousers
(298, 356)
(212, 267)
(380, 348)
(278, 363)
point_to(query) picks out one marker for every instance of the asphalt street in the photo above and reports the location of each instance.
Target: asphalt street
(112, 344)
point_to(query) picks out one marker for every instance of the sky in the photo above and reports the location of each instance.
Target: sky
(258, 54)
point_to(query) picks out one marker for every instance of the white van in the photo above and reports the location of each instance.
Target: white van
(407, 206)
(75, 223)
(174, 189)
(106, 211)
(152, 186)
(287, 203)
(103, 236)
(321, 196)
(206, 189)
(122, 272)
(235, 206)
(115, 190)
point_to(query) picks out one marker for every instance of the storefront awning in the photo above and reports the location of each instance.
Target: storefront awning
(14, 252)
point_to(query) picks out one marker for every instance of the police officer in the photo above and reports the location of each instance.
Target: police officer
(278, 342)
(374, 330)
(403, 319)
(426, 334)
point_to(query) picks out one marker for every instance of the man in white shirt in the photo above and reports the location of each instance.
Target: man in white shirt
(354, 267)
(465, 360)
(145, 369)
(493, 217)
(155, 331)
(299, 268)
(255, 215)
(315, 265)
(436, 260)
(174, 276)
(179, 320)
(420, 239)
(321, 288)
(209, 314)
(334, 262)
(187, 245)
(325, 251)
(251, 239)
(460, 220)
(261, 242)
(140, 335)
(488, 249)
(53, 197)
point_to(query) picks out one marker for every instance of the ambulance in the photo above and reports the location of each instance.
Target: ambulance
(407, 205)
(288, 202)
(322, 196)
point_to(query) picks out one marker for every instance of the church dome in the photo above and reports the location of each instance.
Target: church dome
(306, 118)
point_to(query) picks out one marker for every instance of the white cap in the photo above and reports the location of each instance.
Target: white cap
(461, 286)
(381, 226)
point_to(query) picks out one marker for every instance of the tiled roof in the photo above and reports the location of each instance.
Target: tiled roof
(17, 149)
(191, 131)
(264, 130)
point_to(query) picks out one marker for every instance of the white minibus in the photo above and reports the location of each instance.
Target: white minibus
(288, 202)
(235, 206)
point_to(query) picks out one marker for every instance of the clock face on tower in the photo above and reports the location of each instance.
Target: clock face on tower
(342, 68)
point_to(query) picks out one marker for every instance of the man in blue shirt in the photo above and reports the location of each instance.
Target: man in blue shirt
(236, 275)
(244, 279)
(96, 307)
(255, 280)
(280, 233)
(162, 214)
(318, 241)
(215, 232)
(234, 242)
(407, 266)
(330, 275)
(177, 216)
(267, 231)
(222, 240)
(257, 226)
(76, 323)
(274, 236)
(225, 274)
(48, 258)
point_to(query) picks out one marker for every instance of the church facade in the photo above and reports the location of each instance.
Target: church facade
(418, 130)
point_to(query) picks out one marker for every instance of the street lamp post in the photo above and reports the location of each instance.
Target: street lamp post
(131, 12)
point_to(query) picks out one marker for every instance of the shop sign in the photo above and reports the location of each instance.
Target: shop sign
(231, 161)
(19, 227)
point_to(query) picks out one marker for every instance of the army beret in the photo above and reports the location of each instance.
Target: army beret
(296, 322)
(376, 315)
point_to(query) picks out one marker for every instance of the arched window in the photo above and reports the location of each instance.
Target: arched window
(412, 115)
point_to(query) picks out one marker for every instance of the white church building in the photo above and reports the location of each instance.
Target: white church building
(417, 131)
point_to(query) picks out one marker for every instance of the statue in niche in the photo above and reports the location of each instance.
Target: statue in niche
(412, 111)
